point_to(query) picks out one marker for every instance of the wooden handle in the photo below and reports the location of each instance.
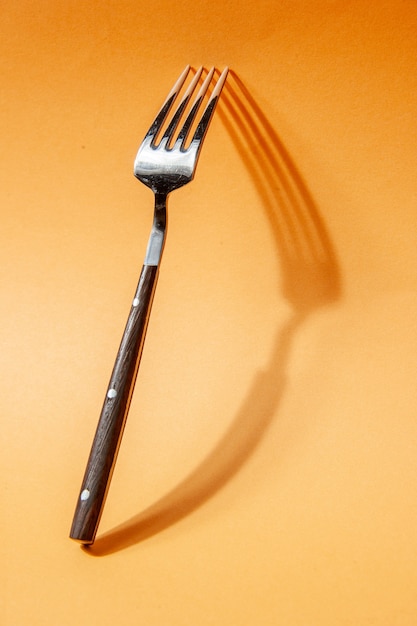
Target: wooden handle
(112, 420)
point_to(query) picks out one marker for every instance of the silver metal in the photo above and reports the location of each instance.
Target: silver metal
(165, 163)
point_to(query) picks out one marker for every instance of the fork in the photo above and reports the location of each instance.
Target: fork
(166, 160)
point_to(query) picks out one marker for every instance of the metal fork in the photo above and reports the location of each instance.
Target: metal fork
(163, 164)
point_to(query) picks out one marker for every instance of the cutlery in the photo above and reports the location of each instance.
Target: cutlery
(166, 160)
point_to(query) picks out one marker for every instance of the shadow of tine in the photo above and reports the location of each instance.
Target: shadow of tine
(310, 280)
(309, 267)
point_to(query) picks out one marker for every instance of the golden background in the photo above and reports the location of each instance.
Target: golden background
(267, 475)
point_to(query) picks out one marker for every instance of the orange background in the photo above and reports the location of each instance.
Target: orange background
(268, 470)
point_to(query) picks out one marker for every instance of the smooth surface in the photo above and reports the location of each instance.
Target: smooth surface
(268, 469)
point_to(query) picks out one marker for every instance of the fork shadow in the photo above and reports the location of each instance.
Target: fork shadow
(311, 280)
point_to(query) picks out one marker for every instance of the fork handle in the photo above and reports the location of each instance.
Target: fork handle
(112, 420)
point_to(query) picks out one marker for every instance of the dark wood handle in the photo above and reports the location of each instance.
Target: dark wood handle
(112, 420)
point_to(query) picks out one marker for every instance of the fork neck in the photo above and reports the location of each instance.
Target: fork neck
(157, 237)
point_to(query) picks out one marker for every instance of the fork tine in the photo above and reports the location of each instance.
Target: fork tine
(208, 112)
(166, 107)
(182, 136)
(181, 107)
